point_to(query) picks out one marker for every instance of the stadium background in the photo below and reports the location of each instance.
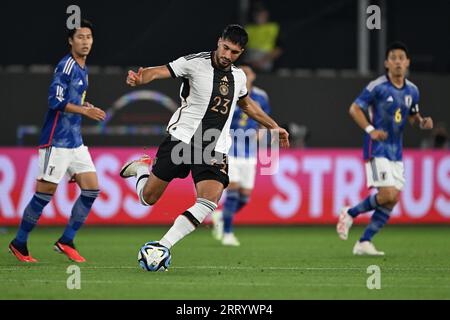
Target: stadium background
(311, 87)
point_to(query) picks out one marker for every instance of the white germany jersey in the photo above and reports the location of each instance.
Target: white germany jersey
(208, 99)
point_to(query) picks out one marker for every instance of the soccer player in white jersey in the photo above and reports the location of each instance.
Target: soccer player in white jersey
(61, 148)
(381, 110)
(198, 132)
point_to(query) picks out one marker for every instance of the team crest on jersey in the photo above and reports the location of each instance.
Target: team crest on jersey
(408, 101)
(223, 87)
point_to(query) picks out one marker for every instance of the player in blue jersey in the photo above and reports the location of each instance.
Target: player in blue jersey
(242, 164)
(61, 148)
(382, 110)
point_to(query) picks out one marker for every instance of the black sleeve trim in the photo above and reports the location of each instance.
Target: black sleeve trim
(172, 73)
(243, 96)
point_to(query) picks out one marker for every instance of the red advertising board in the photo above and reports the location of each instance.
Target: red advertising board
(309, 187)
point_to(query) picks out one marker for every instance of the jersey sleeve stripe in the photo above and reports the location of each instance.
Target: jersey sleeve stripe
(198, 55)
(65, 65)
(243, 96)
(68, 67)
(172, 73)
(376, 82)
(71, 67)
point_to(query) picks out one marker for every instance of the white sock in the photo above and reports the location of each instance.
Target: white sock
(187, 222)
(142, 177)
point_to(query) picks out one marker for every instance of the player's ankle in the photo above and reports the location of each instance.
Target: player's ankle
(66, 241)
(18, 244)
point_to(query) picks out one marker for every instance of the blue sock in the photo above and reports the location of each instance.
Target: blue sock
(378, 220)
(31, 216)
(368, 204)
(79, 214)
(243, 200)
(229, 209)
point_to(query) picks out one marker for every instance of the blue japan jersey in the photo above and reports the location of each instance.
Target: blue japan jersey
(241, 123)
(62, 129)
(388, 108)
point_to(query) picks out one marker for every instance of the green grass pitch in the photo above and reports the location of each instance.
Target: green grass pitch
(272, 263)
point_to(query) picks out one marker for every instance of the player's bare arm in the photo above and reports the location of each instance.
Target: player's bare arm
(358, 116)
(87, 110)
(255, 112)
(144, 76)
(425, 123)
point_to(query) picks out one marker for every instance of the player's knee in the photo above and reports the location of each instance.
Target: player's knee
(388, 197)
(393, 202)
(46, 187)
(394, 199)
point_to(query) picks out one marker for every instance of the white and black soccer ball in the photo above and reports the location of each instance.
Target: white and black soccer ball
(154, 257)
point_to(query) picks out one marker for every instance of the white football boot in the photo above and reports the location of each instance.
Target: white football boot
(129, 169)
(217, 221)
(229, 239)
(344, 223)
(366, 248)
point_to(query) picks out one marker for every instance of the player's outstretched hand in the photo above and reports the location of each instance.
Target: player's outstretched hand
(134, 79)
(94, 113)
(378, 135)
(283, 136)
(426, 123)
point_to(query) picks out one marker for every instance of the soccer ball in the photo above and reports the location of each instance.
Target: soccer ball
(154, 257)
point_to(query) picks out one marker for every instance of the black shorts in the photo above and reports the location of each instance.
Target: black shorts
(175, 159)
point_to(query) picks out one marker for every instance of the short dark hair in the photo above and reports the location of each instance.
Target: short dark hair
(83, 24)
(397, 45)
(236, 34)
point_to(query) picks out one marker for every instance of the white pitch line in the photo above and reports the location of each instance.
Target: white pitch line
(362, 268)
